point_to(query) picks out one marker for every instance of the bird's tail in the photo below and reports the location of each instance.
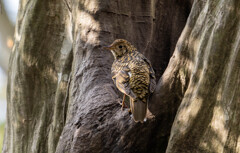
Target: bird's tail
(138, 109)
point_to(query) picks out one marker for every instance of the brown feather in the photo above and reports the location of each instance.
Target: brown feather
(138, 109)
(133, 75)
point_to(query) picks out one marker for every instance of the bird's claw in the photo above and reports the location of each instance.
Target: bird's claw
(123, 106)
(119, 101)
(130, 112)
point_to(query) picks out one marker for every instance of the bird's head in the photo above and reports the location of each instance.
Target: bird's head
(120, 47)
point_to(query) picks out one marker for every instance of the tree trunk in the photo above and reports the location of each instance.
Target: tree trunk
(207, 61)
(6, 38)
(39, 74)
(61, 97)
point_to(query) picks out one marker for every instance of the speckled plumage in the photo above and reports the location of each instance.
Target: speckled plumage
(133, 75)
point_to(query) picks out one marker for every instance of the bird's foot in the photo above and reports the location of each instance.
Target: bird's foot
(145, 120)
(122, 108)
(119, 101)
(129, 112)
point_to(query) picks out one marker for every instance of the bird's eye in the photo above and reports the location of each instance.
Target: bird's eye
(120, 46)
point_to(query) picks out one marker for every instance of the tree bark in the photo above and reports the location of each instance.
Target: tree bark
(207, 60)
(39, 72)
(6, 35)
(61, 97)
(95, 122)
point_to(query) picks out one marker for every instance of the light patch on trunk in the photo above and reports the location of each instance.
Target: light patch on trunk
(59, 77)
(188, 114)
(218, 126)
(238, 143)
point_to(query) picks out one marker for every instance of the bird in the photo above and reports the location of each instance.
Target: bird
(133, 75)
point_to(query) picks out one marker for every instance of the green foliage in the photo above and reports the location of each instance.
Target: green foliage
(1, 135)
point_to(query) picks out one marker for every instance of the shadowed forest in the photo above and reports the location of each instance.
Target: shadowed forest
(61, 97)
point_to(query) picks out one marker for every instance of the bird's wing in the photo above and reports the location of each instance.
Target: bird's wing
(121, 79)
(152, 85)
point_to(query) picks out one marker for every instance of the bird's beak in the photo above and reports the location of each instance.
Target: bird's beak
(107, 47)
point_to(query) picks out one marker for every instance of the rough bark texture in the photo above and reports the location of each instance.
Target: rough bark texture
(39, 72)
(41, 99)
(95, 122)
(61, 97)
(207, 61)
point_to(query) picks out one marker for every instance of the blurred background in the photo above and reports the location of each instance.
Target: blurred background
(8, 15)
